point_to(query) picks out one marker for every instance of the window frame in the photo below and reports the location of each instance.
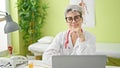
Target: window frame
(5, 51)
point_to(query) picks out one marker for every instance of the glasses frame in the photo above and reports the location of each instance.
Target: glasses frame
(75, 19)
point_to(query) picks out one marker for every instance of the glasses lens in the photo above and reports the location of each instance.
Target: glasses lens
(69, 19)
(77, 18)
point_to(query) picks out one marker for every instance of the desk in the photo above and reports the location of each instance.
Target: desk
(50, 67)
(112, 67)
(39, 64)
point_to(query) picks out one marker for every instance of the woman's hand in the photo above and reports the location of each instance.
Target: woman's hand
(75, 33)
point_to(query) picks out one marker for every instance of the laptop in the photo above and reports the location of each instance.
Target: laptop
(79, 61)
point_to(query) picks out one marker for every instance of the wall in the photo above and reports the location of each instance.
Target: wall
(55, 19)
(107, 20)
(14, 35)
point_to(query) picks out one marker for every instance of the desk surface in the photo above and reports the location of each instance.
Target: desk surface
(50, 67)
(39, 64)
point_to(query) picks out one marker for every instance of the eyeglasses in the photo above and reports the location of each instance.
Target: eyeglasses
(70, 19)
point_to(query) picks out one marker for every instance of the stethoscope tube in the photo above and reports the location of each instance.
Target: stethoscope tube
(67, 39)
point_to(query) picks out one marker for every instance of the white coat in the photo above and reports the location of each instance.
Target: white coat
(57, 47)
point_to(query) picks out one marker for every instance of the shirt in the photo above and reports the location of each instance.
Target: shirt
(57, 47)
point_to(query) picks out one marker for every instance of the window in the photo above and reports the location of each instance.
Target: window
(3, 36)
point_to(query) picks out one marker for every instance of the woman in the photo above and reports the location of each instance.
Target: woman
(74, 41)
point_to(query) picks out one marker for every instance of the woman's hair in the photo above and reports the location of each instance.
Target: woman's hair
(74, 8)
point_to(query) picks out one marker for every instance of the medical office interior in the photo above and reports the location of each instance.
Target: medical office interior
(106, 29)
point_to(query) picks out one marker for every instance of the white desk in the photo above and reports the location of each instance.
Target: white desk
(50, 67)
(39, 64)
(112, 67)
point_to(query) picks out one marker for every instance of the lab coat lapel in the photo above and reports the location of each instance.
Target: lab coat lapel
(70, 45)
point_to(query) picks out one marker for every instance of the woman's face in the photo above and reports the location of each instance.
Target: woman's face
(73, 19)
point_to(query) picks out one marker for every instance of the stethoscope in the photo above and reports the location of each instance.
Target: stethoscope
(67, 39)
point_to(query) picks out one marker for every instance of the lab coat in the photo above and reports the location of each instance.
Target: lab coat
(57, 47)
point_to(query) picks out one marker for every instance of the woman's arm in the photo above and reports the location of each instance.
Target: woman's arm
(53, 49)
(86, 47)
